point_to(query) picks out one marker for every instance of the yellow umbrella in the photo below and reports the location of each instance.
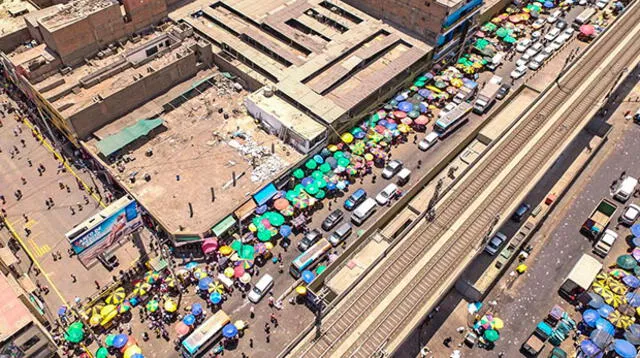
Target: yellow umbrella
(170, 306)
(627, 321)
(228, 272)
(217, 287)
(252, 228)
(106, 310)
(268, 245)
(497, 323)
(95, 310)
(617, 287)
(141, 288)
(301, 290)
(600, 286)
(347, 138)
(109, 316)
(611, 298)
(199, 273)
(225, 250)
(116, 296)
(131, 351)
(95, 320)
(170, 281)
(240, 325)
(602, 276)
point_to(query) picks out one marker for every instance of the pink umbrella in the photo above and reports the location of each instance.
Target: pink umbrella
(422, 120)
(182, 329)
(209, 245)
(238, 271)
(636, 253)
(587, 30)
(281, 204)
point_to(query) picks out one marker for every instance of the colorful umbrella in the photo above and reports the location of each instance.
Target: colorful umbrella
(182, 329)
(141, 288)
(124, 307)
(204, 283)
(108, 310)
(611, 298)
(216, 287)
(95, 320)
(151, 277)
(132, 351)
(600, 286)
(152, 306)
(617, 287)
(116, 296)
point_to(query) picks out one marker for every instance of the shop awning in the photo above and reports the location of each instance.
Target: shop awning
(128, 135)
(245, 209)
(224, 225)
(188, 238)
(265, 194)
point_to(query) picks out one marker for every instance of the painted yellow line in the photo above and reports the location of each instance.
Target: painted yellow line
(64, 162)
(29, 224)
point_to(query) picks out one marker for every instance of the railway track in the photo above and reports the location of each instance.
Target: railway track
(431, 276)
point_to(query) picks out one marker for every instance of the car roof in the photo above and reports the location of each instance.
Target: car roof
(391, 186)
(359, 192)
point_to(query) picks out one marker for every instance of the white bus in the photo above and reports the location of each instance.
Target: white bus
(584, 17)
(203, 338)
(363, 211)
(309, 258)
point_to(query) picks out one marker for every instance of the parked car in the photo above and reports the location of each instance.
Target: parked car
(604, 245)
(568, 31)
(561, 24)
(630, 214)
(389, 192)
(342, 233)
(554, 16)
(391, 169)
(538, 24)
(503, 91)
(260, 288)
(333, 219)
(534, 65)
(522, 61)
(519, 214)
(428, 141)
(518, 72)
(556, 44)
(448, 108)
(355, 199)
(552, 34)
(309, 239)
(495, 243)
(601, 4)
(547, 51)
(534, 49)
(582, 2)
(536, 35)
(523, 45)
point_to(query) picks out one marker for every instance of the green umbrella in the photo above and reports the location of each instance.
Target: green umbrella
(311, 164)
(74, 335)
(298, 188)
(152, 306)
(338, 154)
(626, 262)
(636, 270)
(325, 168)
(317, 175)
(311, 189)
(491, 335)
(102, 352)
(320, 194)
(77, 324)
(236, 245)
(109, 340)
(246, 252)
(343, 162)
(508, 39)
(298, 173)
(264, 235)
(291, 195)
(320, 269)
(276, 219)
(321, 183)
(502, 32)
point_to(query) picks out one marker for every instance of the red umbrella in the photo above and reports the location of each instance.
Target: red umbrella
(587, 30)
(182, 329)
(281, 204)
(238, 271)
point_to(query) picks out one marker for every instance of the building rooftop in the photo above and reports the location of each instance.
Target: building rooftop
(111, 70)
(73, 11)
(327, 56)
(12, 14)
(197, 143)
(15, 315)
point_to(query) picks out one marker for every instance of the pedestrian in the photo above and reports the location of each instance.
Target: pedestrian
(447, 341)
(268, 338)
(79, 206)
(250, 342)
(252, 313)
(24, 181)
(74, 279)
(86, 200)
(266, 327)
(97, 284)
(623, 174)
(271, 300)
(27, 231)
(41, 167)
(73, 212)
(24, 145)
(26, 218)
(415, 138)
(68, 189)
(3, 199)
(279, 257)
(29, 163)
(281, 267)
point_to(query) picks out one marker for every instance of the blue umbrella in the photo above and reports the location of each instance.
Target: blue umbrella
(191, 265)
(424, 92)
(204, 283)
(605, 311)
(632, 334)
(405, 106)
(589, 348)
(261, 209)
(631, 281)
(624, 348)
(401, 97)
(595, 300)
(137, 355)
(360, 135)
(229, 330)
(635, 230)
(120, 340)
(62, 310)
(189, 319)
(331, 186)
(215, 298)
(285, 230)
(318, 159)
(307, 276)
(600, 338)
(307, 181)
(633, 299)
(196, 309)
(636, 241)
(549, 4)
(423, 107)
(605, 325)
(589, 317)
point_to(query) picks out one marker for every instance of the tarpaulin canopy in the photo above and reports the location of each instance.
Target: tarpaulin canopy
(624, 348)
(224, 225)
(265, 194)
(128, 135)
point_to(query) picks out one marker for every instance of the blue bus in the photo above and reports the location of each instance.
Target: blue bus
(309, 258)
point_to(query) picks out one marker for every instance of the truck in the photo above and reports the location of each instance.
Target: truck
(536, 341)
(580, 278)
(463, 95)
(487, 96)
(599, 219)
(450, 120)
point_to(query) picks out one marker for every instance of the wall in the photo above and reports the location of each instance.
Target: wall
(10, 41)
(93, 117)
(141, 13)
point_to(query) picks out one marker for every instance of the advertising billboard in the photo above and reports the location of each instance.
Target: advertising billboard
(98, 233)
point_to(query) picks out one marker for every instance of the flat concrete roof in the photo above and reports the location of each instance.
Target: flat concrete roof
(12, 14)
(328, 57)
(73, 11)
(66, 92)
(14, 313)
(204, 149)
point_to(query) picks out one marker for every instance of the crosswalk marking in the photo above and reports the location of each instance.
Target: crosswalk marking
(39, 251)
(29, 224)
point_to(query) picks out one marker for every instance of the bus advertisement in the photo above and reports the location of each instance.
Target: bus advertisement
(202, 339)
(309, 258)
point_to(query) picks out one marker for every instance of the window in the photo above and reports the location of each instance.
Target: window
(30, 343)
(151, 51)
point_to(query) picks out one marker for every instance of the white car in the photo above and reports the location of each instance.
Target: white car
(603, 246)
(568, 31)
(534, 65)
(582, 2)
(556, 44)
(495, 243)
(601, 4)
(448, 108)
(540, 58)
(534, 49)
(538, 24)
(389, 192)
(518, 72)
(536, 34)
(552, 34)
(391, 169)
(522, 62)
(429, 140)
(630, 214)
(523, 45)
(547, 51)
(554, 16)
